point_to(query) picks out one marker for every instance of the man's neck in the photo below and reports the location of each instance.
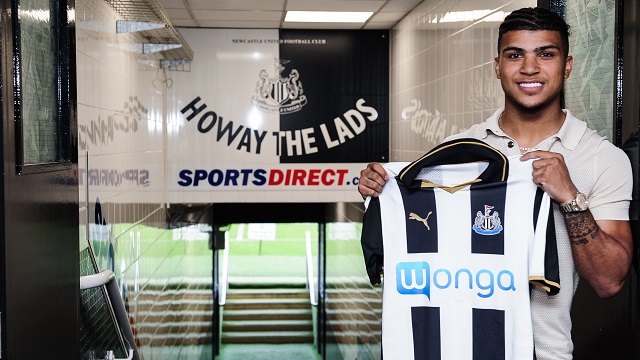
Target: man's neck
(530, 128)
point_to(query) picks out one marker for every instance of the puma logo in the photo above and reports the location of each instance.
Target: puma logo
(414, 216)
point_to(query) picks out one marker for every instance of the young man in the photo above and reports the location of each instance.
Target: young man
(588, 177)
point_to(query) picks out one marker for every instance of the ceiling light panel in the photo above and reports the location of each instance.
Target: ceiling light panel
(327, 16)
(334, 5)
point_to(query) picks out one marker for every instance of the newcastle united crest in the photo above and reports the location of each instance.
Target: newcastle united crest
(279, 94)
(487, 223)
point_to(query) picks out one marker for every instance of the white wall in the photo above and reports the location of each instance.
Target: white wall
(121, 157)
(442, 74)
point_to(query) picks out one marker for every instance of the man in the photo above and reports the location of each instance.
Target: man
(588, 178)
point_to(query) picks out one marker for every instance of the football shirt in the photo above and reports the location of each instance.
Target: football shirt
(461, 233)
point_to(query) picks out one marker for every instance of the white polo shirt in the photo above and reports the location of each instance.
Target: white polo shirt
(602, 172)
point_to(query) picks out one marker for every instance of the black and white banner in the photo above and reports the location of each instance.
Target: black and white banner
(269, 115)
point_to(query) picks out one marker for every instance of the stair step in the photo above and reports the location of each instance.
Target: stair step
(186, 330)
(282, 303)
(175, 339)
(267, 282)
(267, 293)
(267, 314)
(267, 325)
(267, 337)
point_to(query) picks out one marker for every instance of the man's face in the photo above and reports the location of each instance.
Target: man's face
(532, 68)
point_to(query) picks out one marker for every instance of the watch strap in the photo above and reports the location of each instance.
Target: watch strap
(570, 207)
(578, 204)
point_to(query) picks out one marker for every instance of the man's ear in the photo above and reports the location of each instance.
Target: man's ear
(568, 66)
(496, 65)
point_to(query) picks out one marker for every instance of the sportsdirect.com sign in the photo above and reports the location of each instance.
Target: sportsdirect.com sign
(219, 178)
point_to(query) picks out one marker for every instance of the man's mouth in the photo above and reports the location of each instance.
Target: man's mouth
(530, 84)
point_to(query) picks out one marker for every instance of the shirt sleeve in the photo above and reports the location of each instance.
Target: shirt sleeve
(611, 194)
(544, 267)
(371, 241)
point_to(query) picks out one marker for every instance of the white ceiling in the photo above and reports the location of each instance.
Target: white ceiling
(269, 14)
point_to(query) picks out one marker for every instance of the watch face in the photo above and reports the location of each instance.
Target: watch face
(581, 201)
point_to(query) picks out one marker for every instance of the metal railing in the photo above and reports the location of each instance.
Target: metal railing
(108, 278)
(310, 278)
(224, 275)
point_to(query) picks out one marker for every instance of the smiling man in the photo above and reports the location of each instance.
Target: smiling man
(588, 178)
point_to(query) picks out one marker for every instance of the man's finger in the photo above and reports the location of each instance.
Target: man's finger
(379, 169)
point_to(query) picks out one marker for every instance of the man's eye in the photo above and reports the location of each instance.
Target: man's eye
(513, 56)
(546, 54)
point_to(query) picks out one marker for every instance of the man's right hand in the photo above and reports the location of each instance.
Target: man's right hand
(372, 179)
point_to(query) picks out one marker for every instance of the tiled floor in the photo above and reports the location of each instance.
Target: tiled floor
(194, 352)
(235, 352)
(268, 352)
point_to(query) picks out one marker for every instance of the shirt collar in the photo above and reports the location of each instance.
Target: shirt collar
(569, 134)
(492, 124)
(571, 131)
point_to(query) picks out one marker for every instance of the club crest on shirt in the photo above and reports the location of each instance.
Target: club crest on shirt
(487, 223)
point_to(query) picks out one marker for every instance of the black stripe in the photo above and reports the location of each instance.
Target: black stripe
(426, 333)
(488, 334)
(482, 195)
(536, 206)
(422, 203)
(551, 267)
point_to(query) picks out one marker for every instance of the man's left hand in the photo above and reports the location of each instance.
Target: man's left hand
(550, 172)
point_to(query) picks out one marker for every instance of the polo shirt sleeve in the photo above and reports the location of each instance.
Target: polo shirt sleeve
(611, 194)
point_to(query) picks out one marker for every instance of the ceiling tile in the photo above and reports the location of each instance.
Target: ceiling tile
(240, 24)
(175, 14)
(401, 5)
(380, 25)
(172, 4)
(269, 13)
(183, 23)
(237, 4)
(387, 16)
(238, 15)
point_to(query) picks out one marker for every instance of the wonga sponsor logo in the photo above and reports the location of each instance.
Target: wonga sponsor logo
(414, 278)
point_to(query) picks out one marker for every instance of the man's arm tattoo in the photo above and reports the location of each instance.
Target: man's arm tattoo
(581, 227)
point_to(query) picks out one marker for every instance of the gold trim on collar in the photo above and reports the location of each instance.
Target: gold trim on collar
(449, 189)
(505, 161)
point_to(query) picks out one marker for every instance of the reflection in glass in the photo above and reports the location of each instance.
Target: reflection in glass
(40, 113)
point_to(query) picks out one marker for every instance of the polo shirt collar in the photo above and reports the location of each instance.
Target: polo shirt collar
(569, 134)
(492, 124)
(571, 131)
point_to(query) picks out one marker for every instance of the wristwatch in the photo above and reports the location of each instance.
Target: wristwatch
(580, 203)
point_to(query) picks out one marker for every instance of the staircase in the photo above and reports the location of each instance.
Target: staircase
(173, 315)
(267, 315)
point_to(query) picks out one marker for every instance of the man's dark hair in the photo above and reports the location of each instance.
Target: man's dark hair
(535, 19)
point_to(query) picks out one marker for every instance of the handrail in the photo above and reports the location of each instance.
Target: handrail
(108, 278)
(310, 282)
(110, 355)
(224, 276)
(95, 280)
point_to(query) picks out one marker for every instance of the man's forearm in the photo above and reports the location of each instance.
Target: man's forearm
(581, 227)
(600, 258)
